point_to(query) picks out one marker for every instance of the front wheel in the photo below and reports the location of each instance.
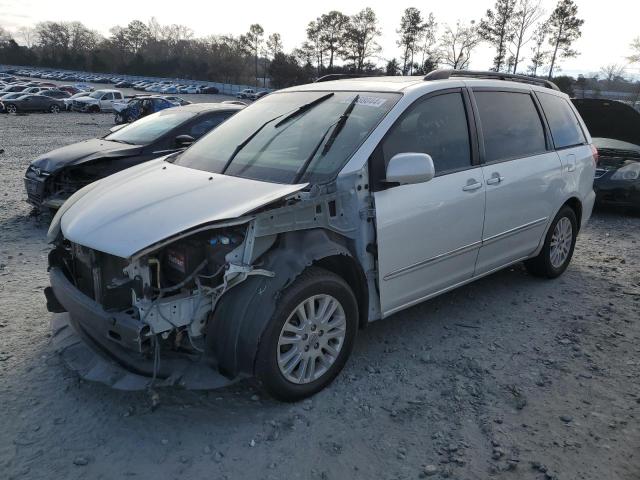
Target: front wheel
(558, 246)
(310, 336)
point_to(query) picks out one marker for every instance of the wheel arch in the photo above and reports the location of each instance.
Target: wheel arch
(576, 205)
(235, 328)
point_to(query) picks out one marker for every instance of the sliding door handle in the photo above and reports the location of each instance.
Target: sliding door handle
(494, 180)
(469, 187)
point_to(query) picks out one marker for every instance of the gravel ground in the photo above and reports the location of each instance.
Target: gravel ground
(509, 377)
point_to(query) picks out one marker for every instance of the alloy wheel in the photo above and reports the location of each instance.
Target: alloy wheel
(11, 109)
(561, 241)
(311, 339)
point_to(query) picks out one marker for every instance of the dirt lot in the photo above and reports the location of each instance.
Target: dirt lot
(510, 377)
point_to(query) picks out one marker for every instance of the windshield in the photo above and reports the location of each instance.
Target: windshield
(311, 145)
(151, 127)
(97, 94)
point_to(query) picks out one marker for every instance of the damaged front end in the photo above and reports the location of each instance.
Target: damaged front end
(134, 322)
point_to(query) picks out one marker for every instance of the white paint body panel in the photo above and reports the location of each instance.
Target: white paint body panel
(416, 226)
(519, 207)
(143, 205)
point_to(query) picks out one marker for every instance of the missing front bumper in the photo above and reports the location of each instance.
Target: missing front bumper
(82, 337)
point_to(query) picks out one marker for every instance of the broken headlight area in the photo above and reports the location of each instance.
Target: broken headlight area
(159, 302)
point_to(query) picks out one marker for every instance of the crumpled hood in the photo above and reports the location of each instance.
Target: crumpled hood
(81, 152)
(138, 207)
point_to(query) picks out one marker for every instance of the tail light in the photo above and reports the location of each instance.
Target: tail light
(596, 155)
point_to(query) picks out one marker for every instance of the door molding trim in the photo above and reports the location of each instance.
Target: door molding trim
(464, 249)
(387, 313)
(514, 231)
(432, 260)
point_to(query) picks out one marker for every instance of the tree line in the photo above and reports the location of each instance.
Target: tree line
(524, 38)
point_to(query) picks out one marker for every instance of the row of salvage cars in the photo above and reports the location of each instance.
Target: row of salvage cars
(283, 228)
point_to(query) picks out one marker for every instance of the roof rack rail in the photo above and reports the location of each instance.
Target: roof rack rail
(340, 76)
(445, 74)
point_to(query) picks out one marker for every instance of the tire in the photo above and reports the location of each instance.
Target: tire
(118, 119)
(11, 108)
(317, 286)
(54, 109)
(94, 109)
(545, 264)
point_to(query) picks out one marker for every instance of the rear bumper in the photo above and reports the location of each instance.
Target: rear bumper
(109, 347)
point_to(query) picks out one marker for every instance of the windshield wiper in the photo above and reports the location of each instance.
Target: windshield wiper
(244, 143)
(300, 110)
(309, 158)
(120, 141)
(340, 125)
(337, 127)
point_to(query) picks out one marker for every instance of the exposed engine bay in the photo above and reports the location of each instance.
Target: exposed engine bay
(169, 292)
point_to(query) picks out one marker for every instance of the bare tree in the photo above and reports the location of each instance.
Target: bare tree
(635, 49)
(27, 35)
(458, 44)
(612, 71)
(497, 29)
(564, 29)
(5, 36)
(528, 12)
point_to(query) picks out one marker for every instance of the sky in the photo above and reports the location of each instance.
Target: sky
(606, 34)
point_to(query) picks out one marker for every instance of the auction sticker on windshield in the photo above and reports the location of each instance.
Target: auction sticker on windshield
(367, 101)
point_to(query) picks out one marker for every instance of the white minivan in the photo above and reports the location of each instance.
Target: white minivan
(262, 249)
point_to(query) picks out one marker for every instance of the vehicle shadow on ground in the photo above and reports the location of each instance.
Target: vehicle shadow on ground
(37, 221)
(423, 324)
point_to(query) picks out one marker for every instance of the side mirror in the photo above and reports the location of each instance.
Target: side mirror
(408, 168)
(184, 140)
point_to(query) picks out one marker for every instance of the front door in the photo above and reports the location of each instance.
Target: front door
(428, 234)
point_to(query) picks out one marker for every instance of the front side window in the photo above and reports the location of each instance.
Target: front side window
(149, 128)
(563, 123)
(436, 126)
(291, 137)
(511, 125)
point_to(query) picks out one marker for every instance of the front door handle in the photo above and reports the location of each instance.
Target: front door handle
(495, 179)
(472, 186)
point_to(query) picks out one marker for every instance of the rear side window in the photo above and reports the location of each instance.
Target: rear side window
(563, 123)
(511, 125)
(204, 125)
(437, 126)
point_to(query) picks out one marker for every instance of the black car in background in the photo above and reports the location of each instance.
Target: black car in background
(32, 103)
(615, 128)
(54, 93)
(53, 177)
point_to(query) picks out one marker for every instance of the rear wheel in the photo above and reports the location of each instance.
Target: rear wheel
(11, 108)
(309, 337)
(556, 253)
(54, 109)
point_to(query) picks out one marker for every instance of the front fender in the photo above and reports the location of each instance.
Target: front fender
(242, 314)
